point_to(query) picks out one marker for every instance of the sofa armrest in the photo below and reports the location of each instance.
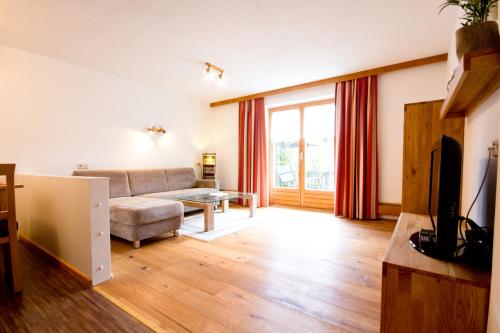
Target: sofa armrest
(208, 183)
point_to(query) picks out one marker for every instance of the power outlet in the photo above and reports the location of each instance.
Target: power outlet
(494, 148)
(82, 166)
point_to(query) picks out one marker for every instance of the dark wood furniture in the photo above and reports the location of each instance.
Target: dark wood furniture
(208, 166)
(8, 242)
(422, 127)
(422, 294)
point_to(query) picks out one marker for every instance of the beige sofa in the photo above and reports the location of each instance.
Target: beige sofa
(141, 202)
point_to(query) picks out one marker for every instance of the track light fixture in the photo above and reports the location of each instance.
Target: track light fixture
(211, 68)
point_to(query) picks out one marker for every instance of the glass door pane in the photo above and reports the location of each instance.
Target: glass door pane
(319, 133)
(285, 136)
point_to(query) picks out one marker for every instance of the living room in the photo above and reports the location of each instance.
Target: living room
(318, 119)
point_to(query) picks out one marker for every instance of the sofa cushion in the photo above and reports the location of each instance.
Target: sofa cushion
(171, 195)
(180, 178)
(147, 181)
(133, 232)
(141, 210)
(118, 180)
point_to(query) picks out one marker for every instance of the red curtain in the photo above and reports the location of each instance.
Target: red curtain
(252, 150)
(356, 191)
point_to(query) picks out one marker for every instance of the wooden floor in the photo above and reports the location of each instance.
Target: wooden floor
(54, 301)
(295, 271)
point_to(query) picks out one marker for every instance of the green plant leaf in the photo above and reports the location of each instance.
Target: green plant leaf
(475, 11)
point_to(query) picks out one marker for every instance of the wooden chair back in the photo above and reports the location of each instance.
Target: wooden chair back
(8, 213)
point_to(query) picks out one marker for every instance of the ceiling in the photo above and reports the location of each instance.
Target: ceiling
(262, 44)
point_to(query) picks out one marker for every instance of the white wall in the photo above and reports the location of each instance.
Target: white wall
(494, 311)
(68, 217)
(301, 96)
(54, 115)
(476, 138)
(481, 128)
(395, 89)
(225, 145)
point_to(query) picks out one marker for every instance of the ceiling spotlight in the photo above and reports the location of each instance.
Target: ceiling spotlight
(211, 67)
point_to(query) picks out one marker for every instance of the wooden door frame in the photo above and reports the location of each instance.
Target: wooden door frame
(322, 197)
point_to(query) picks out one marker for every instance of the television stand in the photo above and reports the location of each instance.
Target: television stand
(424, 241)
(424, 294)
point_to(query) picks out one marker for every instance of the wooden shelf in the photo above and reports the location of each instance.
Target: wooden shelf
(475, 79)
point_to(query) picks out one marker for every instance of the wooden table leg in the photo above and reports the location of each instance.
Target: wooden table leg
(225, 205)
(208, 212)
(253, 204)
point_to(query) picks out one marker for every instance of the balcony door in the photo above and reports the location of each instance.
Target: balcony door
(302, 154)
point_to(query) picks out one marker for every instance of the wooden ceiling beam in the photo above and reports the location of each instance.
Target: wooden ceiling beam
(335, 79)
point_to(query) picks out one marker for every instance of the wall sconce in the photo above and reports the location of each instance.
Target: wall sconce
(212, 68)
(154, 130)
(209, 166)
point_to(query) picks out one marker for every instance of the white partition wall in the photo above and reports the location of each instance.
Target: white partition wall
(68, 217)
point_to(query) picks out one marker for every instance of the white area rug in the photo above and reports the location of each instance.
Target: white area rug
(225, 223)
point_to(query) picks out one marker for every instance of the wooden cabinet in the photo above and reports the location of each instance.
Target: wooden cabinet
(422, 127)
(422, 294)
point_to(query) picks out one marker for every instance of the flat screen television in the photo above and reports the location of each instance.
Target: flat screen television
(444, 200)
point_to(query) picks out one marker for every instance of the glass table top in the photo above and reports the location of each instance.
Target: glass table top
(214, 197)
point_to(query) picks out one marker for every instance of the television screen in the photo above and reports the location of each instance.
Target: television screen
(444, 194)
(434, 185)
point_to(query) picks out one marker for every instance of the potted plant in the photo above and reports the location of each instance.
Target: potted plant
(476, 32)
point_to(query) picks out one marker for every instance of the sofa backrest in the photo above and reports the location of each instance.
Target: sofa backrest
(147, 181)
(180, 178)
(118, 180)
(126, 183)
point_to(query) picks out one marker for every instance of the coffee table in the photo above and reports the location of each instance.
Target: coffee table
(207, 203)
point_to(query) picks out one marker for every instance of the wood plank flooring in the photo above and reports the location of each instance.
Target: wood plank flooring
(52, 300)
(295, 271)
